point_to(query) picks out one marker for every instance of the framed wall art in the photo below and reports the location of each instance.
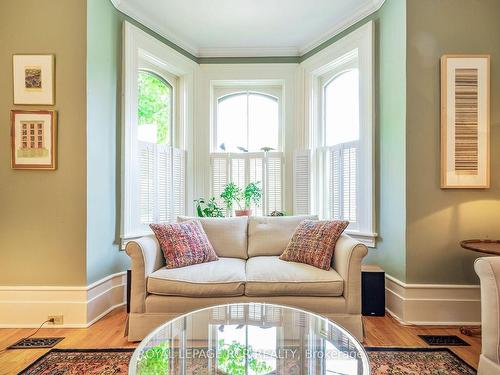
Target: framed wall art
(33, 139)
(465, 121)
(33, 79)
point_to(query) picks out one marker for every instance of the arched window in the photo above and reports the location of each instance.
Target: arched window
(247, 120)
(161, 166)
(247, 144)
(340, 151)
(155, 102)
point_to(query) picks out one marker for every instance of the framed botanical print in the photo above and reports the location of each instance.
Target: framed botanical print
(33, 139)
(465, 121)
(33, 79)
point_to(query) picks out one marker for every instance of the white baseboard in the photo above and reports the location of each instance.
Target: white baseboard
(29, 306)
(433, 304)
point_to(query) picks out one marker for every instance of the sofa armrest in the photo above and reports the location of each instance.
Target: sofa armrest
(146, 258)
(488, 270)
(347, 262)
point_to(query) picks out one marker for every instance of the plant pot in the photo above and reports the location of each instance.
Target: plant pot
(247, 212)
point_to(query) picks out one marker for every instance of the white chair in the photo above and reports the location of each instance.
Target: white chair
(488, 270)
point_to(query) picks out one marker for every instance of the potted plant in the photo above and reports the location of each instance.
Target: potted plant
(208, 208)
(243, 198)
(231, 195)
(251, 194)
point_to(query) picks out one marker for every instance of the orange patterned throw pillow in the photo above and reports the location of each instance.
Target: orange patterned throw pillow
(313, 242)
(184, 244)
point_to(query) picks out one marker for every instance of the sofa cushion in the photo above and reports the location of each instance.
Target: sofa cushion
(314, 241)
(271, 276)
(270, 235)
(224, 277)
(184, 244)
(228, 235)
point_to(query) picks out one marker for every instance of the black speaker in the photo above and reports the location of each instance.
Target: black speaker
(372, 291)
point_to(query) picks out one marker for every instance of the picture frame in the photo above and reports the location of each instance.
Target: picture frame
(465, 121)
(33, 79)
(34, 139)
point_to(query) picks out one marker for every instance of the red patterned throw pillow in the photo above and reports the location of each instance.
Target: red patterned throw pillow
(313, 242)
(184, 244)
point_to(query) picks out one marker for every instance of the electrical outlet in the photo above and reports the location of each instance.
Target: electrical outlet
(58, 319)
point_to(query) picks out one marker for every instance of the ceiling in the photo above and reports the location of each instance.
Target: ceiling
(211, 28)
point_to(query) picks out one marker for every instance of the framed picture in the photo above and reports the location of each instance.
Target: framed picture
(465, 121)
(34, 139)
(33, 79)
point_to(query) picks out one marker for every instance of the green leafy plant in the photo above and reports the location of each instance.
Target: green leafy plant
(232, 358)
(231, 194)
(252, 193)
(208, 208)
(155, 360)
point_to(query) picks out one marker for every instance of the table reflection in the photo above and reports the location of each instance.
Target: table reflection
(249, 339)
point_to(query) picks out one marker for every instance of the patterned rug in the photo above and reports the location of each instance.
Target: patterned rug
(383, 361)
(417, 361)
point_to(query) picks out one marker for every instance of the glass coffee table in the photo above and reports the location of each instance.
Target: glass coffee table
(249, 338)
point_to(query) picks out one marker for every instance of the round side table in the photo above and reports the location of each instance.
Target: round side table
(490, 247)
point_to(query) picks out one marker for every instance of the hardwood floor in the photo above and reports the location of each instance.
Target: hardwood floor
(109, 333)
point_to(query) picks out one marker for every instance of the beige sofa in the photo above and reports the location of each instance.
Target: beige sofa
(248, 270)
(488, 270)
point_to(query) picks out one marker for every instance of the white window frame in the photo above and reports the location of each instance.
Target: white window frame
(225, 88)
(143, 52)
(355, 49)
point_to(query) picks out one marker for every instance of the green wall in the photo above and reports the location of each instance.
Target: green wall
(104, 140)
(438, 219)
(43, 218)
(390, 49)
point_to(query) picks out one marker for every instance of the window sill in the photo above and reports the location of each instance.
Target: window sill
(368, 239)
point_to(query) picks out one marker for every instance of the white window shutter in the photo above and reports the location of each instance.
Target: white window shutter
(350, 182)
(146, 181)
(335, 184)
(179, 182)
(163, 204)
(219, 164)
(274, 172)
(302, 183)
(256, 172)
(238, 172)
(342, 172)
(242, 169)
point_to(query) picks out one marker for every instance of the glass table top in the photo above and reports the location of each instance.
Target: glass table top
(249, 339)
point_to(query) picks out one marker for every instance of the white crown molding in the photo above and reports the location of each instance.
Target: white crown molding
(164, 32)
(198, 52)
(357, 16)
(248, 52)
